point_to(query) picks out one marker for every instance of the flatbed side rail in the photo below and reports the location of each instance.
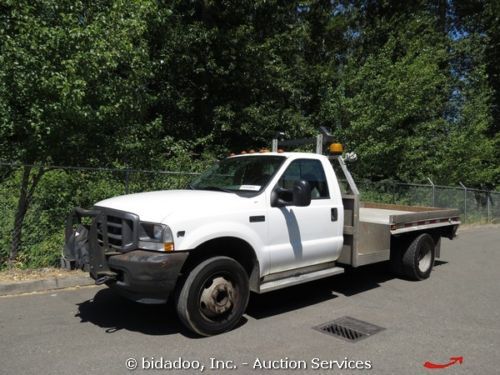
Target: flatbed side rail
(415, 225)
(399, 207)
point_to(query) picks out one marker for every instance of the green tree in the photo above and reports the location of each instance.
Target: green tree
(415, 85)
(393, 96)
(73, 82)
(230, 73)
(475, 27)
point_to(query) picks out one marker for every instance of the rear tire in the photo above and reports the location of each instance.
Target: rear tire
(418, 259)
(213, 297)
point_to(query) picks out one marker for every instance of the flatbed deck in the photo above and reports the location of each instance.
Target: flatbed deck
(379, 215)
(398, 216)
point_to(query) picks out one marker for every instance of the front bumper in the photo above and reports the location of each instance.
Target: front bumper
(146, 276)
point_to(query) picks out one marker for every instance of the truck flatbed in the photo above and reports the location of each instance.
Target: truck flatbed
(369, 227)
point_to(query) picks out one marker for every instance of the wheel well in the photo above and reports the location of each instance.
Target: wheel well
(435, 233)
(232, 247)
(399, 243)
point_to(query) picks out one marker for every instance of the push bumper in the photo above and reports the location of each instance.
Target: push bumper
(140, 275)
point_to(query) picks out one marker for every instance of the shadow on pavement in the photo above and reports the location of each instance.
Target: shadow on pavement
(113, 313)
(352, 282)
(439, 262)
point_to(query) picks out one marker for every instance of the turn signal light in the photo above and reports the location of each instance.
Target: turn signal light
(168, 246)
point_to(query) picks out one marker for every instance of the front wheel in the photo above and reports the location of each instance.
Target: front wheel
(418, 258)
(214, 296)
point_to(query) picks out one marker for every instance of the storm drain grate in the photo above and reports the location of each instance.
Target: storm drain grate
(349, 329)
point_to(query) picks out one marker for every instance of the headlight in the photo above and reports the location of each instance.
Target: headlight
(156, 237)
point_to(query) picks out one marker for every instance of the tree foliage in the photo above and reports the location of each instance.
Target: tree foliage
(72, 85)
(412, 87)
(395, 81)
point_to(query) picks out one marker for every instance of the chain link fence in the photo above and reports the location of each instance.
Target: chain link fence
(475, 205)
(58, 191)
(61, 188)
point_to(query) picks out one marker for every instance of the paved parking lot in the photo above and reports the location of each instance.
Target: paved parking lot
(454, 313)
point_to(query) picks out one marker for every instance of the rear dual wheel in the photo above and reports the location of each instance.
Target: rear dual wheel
(214, 296)
(418, 259)
(413, 258)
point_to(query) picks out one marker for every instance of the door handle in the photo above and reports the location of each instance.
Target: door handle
(334, 214)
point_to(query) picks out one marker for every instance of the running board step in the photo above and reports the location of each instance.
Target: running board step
(299, 279)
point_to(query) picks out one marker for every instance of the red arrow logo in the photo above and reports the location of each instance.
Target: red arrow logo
(453, 360)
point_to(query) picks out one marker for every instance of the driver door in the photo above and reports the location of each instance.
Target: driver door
(304, 236)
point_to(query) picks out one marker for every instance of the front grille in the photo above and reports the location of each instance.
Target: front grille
(116, 229)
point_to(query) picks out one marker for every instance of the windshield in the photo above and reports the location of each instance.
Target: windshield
(246, 173)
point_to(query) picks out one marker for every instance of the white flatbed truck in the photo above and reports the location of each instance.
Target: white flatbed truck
(254, 222)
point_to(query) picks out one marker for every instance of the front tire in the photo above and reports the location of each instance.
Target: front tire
(418, 258)
(214, 296)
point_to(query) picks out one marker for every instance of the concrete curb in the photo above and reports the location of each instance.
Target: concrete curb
(13, 288)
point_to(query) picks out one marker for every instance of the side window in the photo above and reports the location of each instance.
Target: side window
(309, 170)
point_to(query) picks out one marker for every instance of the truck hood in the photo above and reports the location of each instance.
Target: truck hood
(158, 206)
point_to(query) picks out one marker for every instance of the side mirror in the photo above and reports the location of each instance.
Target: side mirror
(299, 196)
(301, 193)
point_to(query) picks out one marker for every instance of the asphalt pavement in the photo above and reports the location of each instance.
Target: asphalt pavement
(455, 313)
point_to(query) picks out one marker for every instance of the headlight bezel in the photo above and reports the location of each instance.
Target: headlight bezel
(155, 236)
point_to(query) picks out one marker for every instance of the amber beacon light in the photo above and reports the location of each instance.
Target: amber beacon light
(336, 149)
